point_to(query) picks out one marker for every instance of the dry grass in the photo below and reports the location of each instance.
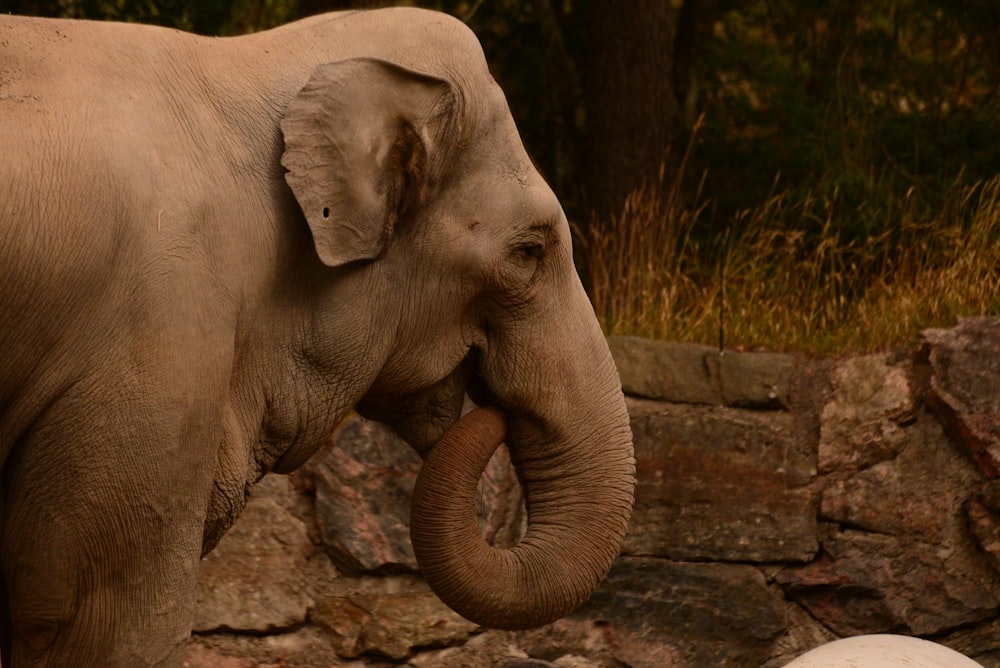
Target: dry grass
(790, 281)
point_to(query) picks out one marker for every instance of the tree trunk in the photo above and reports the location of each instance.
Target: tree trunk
(630, 103)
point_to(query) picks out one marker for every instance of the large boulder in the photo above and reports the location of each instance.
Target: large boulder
(651, 613)
(918, 493)
(265, 572)
(721, 483)
(982, 511)
(873, 583)
(696, 374)
(864, 421)
(363, 487)
(389, 618)
(965, 387)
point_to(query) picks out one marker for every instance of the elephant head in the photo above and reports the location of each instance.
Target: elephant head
(417, 190)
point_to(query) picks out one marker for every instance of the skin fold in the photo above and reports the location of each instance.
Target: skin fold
(211, 250)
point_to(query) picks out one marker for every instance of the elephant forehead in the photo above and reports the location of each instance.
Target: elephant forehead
(494, 150)
(429, 42)
(500, 197)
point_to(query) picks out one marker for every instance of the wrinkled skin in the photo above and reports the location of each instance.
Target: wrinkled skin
(211, 250)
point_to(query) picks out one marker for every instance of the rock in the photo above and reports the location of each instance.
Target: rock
(655, 613)
(363, 489)
(198, 656)
(802, 634)
(965, 387)
(721, 483)
(870, 583)
(752, 379)
(567, 661)
(307, 647)
(696, 374)
(983, 514)
(842, 455)
(573, 661)
(489, 648)
(982, 643)
(862, 423)
(262, 575)
(389, 621)
(919, 493)
(663, 370)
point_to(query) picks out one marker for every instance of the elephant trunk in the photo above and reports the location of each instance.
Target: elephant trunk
(579, 499)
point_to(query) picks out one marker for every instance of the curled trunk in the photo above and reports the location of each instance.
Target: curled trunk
(579, 499)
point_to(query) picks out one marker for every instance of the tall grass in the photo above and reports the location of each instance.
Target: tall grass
(784, 278)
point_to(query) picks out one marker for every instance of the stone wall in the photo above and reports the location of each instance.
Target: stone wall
(781, 502)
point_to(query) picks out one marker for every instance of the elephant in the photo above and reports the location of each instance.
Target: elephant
(212, 250)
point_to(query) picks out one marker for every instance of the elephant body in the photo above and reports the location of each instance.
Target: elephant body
(211, 250)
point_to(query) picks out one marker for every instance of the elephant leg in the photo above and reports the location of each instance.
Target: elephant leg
(110, 582)
(101, 543)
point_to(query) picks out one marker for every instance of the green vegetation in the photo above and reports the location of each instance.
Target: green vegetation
(787, 279)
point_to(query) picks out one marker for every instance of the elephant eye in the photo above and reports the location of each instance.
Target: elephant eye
(532, 250)
(527, 254)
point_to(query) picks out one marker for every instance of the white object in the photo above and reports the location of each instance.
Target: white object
(882, 651)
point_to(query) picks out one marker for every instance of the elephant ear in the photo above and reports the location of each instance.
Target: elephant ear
(363, 144)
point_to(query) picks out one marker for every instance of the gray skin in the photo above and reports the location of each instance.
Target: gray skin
(211, 250)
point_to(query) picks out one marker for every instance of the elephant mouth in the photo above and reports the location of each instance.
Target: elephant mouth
(449, 402)
(476, 386)
(423, 417)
